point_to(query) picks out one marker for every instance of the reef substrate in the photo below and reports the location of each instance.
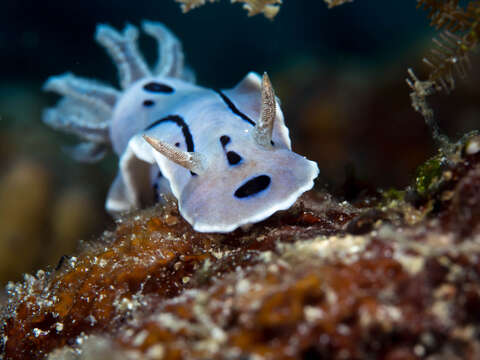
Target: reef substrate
(392, 275)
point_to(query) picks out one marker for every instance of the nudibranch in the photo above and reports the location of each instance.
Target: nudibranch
(225, 155)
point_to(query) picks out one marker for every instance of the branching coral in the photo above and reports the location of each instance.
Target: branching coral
(333, 3)
(450, 55)
(269, 8)
(461, 31)
(188, 5)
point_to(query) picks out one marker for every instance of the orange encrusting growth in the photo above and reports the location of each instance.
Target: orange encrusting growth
(321, 280)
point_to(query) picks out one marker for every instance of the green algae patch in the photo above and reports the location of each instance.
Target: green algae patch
(393, 194)
(428, 175)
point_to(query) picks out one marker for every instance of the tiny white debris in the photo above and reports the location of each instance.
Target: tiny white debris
(156, 352)
(39, 332)
(243, 286)
(171, 322)
(419, 350)
(347, 248)
(40, 275)
(217, 254)
(140, 338)
(267, 256)
(428, 339)
(473, 146)
(343, 329)
(72, 261)
(218, 334)
(411, 263)
(331, 296)
(10, 286)
(273, 268)
(256, 357)
(126, 304)
(313, 314)
(58, 326)
(91, 319)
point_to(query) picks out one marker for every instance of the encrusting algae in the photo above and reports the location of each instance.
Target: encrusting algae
(321, 280)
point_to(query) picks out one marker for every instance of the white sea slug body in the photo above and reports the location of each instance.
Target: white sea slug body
(225, 155)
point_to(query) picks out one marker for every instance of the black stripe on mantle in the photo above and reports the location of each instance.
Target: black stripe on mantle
(178, 120)
(233, 108)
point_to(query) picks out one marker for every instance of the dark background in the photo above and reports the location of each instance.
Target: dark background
(40, 38)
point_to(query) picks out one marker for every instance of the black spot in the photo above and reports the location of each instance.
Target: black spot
(253, 186)
(271, 142)
(158, 88)
(148, 103)
(177, 144)
(233, 158)
(224, 140)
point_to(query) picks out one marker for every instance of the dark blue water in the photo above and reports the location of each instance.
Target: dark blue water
(40, 38)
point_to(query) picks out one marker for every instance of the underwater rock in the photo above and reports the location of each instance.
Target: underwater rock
(397, 279)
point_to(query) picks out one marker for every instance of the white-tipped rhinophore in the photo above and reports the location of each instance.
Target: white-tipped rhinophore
(264, 126)
(189, 160)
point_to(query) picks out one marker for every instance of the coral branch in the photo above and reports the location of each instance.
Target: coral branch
(450, 55)
(420, 91)
(460, 36)
(269, 8)
(333, 3)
